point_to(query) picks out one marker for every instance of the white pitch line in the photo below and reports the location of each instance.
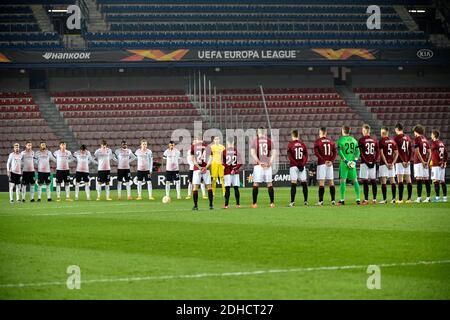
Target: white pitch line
(224, 274)
(86, 213)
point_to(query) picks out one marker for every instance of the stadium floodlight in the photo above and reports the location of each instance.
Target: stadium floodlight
(121, 70)
(400, 68)
(310, 68)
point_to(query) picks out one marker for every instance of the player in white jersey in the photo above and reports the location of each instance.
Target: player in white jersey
(172, 157)
(42, 159)
(191, 174)
(104, 156)
(63, 158)
(124, 157)
(83, 158)
(14, 172)
(144, 169)
(28, 171)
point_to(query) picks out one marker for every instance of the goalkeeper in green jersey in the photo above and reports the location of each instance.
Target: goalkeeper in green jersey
(349, 153)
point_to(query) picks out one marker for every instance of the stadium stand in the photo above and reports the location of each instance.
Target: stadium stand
(20, 121)
(425, 105)
(249, 25)
(20, 30)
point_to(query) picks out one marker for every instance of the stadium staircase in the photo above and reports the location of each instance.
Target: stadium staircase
(359, 108)
(96, 21)
(406, 17)
(54, 119)
(42, 18)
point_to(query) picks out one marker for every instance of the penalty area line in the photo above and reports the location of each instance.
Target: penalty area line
(224, 274)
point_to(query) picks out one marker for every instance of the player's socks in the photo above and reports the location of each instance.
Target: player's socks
(444, 189)
(271, 194)
(189, 189)
(428, 188)
(342, 189)
(32, 192)
(129, 189)
(409, 187)
(357, 190)
(139, 189)
(332, 193)
(210, 197)
(227, 195)
(374, 189)
(99, 189)
(293, 191)
(39, 191)
(18, 189)
(400, 191)
(321, 193)
(58, 191)
(384, 191)
(107, 191)
(366, 189)
(24, 191)
(88, 191)
(419, 189)
(222, 184)
(255, 194)
(437, 189)
(119, 189)
(394, 190)
(178, 188)
(11, 191)
(213, 185)
(195, 197)
(150, 189)
(305, 191)
(49, 191)
(237, 195)
(77, 190)
(167, 188)
(67, 187)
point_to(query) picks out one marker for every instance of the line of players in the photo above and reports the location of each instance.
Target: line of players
(394, 157)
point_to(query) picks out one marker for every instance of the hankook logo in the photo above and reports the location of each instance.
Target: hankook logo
(67, 55)
(425, 54)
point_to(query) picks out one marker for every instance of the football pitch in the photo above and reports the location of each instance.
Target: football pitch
(151, 250)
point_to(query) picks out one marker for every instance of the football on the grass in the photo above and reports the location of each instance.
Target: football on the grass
(165, 199)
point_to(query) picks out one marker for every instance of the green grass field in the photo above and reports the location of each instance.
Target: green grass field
(148, 250)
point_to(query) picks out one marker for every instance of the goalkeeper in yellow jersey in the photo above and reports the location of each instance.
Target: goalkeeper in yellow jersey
(217, 168)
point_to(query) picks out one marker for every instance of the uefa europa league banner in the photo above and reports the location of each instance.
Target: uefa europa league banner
(196, 55)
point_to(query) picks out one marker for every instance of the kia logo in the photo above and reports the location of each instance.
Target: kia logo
(425, 54)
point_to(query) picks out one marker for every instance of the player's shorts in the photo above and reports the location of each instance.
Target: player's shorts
(438, 174)
(104, 176)
(190, 175)
(172, 176)
(28, 177)
(43, 178)
(347, 173)
(15, 178)
(232, 180)
(367, 173)
(385, 172)
(420, 171)
(325, 172)
(261, 174)
(62, 176)
(198, 176)
(296, 174)
(144, 176)
(123, 175)
(217, 170)
(399, 169)
(82, 177)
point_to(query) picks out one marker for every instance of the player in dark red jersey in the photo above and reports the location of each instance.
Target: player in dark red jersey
(403, 165)
(439, 158)
(388, 157)
(297, 153)
(263, 155)
(422, 157)
(369, 151)
(326, 152)
(201, 157)
(232, 164)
